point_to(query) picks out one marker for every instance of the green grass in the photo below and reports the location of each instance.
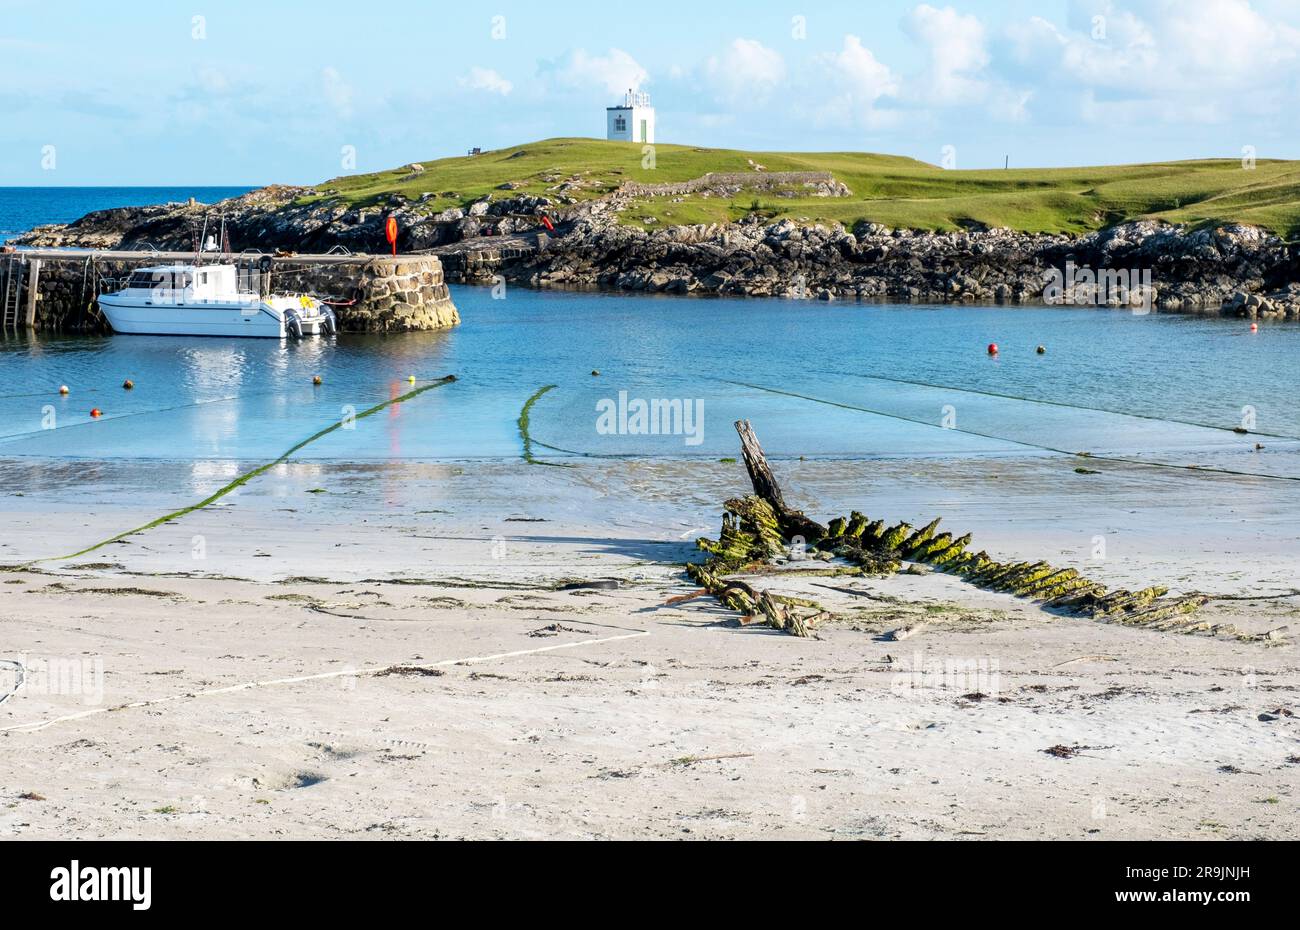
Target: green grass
(896, 191)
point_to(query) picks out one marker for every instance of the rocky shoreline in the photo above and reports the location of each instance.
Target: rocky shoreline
(1239, 270)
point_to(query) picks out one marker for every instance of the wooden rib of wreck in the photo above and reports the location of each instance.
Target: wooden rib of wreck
(759, 528)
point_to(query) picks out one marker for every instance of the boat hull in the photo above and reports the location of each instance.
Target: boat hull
(240, 320)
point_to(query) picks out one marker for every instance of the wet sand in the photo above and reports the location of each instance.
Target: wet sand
(492, 518)
(392, 657)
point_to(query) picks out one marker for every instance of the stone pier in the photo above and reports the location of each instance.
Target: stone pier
(369, 293)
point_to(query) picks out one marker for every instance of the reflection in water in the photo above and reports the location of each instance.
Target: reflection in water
(213, 371)
(213, 367)
(311, 474)
(207, 475)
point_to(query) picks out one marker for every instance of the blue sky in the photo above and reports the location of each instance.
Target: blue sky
(250, 93)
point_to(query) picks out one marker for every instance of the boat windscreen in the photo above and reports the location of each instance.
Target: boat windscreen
(167, 280)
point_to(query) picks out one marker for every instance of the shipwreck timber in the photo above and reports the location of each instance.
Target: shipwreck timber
(761, 527)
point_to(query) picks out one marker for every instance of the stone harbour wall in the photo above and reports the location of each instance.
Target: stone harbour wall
(375, 294)
(822, 182)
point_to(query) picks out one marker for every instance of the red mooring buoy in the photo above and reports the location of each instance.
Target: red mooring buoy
(1254, 327)
(95, 412)
(993, 348)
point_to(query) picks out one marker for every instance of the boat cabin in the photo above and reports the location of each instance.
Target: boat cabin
(191, 284)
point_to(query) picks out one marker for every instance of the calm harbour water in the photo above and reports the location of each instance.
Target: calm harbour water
(244, 399)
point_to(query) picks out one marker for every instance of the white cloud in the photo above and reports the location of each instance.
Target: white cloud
(212, 80)
(614, 72)
(861, 81)
(1226, 38)
(1166, 45)
(486, 79)
(1126, 54)
(1202, 62)
(865, 76)
(1009, 104)
(958, 55)
(747, 70)
(338, 93)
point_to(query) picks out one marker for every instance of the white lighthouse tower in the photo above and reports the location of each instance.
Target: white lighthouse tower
(634, 121)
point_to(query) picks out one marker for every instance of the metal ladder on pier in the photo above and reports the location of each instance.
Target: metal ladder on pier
(13, 284)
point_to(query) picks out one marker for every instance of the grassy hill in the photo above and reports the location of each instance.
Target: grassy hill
(896, 191)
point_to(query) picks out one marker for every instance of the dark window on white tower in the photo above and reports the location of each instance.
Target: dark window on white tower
(620, 124)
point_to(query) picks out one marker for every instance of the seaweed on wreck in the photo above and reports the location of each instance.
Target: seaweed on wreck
(759, 528)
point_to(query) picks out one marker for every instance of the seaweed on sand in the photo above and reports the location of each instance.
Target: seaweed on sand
(261, 469)
(524, 419)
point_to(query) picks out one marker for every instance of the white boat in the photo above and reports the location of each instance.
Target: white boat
(206, 300)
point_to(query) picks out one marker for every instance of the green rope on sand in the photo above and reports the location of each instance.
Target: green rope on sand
(250, 475)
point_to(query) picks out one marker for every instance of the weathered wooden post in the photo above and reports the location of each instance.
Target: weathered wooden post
(33, 292)
(792, 522)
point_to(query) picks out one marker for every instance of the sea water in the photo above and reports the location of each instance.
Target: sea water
(24, 208)
(817, 379)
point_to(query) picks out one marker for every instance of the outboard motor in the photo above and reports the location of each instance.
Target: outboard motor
(292, 324)
(328, 323)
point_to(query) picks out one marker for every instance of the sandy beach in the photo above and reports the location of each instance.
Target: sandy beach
(399, 657)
